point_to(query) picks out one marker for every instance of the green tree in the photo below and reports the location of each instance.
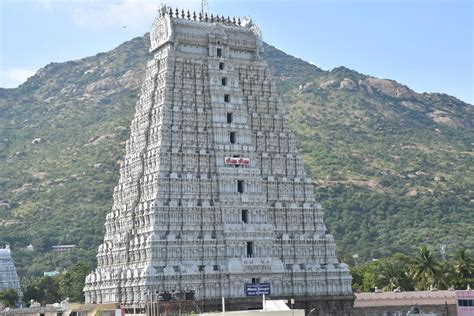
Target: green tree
(345, 256)
(44, 290)
(71, 283)
(357, 278)
(29, 287)
(424, 268)
(394, 272)
(370, 279)
(364, 277)
(9, 297)
(50, 290)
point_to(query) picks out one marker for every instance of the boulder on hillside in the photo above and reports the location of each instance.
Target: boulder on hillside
(445, 118)
(107, 84)
(347, 83)
(131, 79)
(328, 84)
(308, 87)
(387, 87)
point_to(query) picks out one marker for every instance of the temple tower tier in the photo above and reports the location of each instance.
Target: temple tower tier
(213, 195)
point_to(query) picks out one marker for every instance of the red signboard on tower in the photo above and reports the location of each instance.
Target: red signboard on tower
(237, 161)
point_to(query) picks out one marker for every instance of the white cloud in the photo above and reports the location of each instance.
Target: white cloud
(43, 3)
(137, 15)
(134, 14)
(13, 77)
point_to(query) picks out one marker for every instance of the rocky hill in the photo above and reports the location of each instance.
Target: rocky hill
(393, 167)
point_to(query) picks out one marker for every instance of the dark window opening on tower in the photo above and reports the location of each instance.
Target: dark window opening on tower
(229, 117)
(226, 98)
(221, 66)
(219, 52)
(249, 249)
(240, 186)
(232, 137)
(224, 81)
(255, 280)
(245, 216)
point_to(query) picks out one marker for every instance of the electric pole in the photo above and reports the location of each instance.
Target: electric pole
(204, 7)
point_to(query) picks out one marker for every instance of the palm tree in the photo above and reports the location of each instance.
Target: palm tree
(425, 270)
(463, 264)
(388, 276)
(443, 276)
(463, 268)
(393, 273)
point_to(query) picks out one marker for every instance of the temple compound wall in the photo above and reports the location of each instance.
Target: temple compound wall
(213, 195)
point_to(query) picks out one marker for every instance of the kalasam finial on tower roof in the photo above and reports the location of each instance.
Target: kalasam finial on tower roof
(199, 16)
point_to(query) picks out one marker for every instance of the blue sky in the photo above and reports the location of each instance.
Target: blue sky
(427, 45)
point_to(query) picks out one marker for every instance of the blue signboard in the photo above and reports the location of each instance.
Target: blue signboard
(257, 289)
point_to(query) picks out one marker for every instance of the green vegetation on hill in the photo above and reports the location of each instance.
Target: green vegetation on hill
(393, 168)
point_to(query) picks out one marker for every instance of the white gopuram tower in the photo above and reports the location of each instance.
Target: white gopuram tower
(8, 275)
(213, 195)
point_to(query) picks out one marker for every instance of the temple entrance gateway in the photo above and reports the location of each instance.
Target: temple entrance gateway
(213, 196)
